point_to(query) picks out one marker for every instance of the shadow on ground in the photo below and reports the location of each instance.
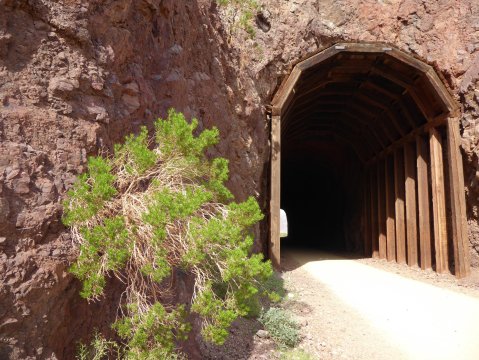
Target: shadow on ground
(306, 254)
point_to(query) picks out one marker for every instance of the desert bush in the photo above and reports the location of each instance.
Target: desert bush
(154, 207)
(281, 326)
(99, 349)
(243, 13)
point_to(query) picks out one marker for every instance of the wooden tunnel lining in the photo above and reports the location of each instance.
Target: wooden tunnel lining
(396, 114)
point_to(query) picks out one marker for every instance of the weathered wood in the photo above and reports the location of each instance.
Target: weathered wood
(399, 206)
(285, 94)
(458, 202)
(274, 245)
(385, 110)
(438, 201)
(367, 214)
(411, 209)
(411, 136)
(374, 212)
(381, 210)
(390, 216)
(423, 204)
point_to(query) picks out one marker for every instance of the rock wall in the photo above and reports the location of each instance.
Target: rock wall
(78, 75)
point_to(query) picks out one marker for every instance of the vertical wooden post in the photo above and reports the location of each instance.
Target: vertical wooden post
(458, 202)
(399, 206)
(274, 245)
(390, 219)
(411, 218)
(423, 204)
(374, 211)
(367, 214)
(381, 210)
(438, 201)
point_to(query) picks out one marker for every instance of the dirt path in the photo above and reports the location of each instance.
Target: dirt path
(353, 309)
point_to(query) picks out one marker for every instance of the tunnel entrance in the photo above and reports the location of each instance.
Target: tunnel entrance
(365, 158)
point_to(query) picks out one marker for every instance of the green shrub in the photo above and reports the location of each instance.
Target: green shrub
(274, 287)
(281, 326)
(99, 349)
(243, 11)
(295, 354)
(153, 208)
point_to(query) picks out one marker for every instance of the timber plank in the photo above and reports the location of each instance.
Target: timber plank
(423, 204)
(399, 206)
(274, 245)
(390, 209)
(458, 202)
(411, 209)
(367, 215)
(374, 212)
(381, 210)
(438, 201)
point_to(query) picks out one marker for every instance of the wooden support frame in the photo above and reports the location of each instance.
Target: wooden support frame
(458, 201)
(390, 209)
(382, 240)
(400, 206)
(423, 204)
(374, 212)
(397, 194)
(367, 214)
(275, 200)
(411, 208)
(438, 201)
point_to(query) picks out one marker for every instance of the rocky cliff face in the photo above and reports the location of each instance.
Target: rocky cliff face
(78, 75)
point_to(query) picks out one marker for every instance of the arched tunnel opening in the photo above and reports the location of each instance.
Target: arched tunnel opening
(365, 159)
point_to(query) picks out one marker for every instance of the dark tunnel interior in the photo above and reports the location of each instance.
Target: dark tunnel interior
(318, 195)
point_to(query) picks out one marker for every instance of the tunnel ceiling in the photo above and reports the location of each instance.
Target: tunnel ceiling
(368, 96)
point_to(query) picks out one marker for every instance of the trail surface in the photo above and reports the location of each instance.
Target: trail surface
(354, 310)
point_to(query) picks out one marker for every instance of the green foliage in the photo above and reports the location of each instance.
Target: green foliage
(99, 349)
(90, 192)
(105, 248)
(236, 288)
(245, 21)
(245, 11)
(134, 154)
(175, 137)
(295, 354)
(219, 173)
(281, 326)
(152, 332)
(153, 208)
(274, 288)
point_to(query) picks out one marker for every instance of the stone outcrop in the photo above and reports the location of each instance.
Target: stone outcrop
(76, 76)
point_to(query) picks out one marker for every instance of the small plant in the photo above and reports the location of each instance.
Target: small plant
(159, 206)
(295, 354)
(243, 13)
(274, 287)
(281, 326)
(99, 349)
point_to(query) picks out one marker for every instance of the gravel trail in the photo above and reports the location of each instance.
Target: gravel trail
(370, 309)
